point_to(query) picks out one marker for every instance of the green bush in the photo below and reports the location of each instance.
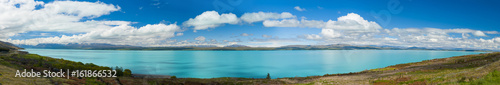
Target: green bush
(4, 49)
(127, 72)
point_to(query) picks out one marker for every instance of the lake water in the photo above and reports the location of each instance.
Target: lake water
(248, 64)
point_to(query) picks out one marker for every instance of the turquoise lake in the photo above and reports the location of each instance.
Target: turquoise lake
(248, 64)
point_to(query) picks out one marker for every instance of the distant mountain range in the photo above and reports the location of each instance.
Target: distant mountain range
(236, 45)
(78, 46)
(101, 46)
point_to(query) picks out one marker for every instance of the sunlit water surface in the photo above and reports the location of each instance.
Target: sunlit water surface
(249, 64)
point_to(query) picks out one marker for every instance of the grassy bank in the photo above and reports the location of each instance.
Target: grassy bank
(468, 69)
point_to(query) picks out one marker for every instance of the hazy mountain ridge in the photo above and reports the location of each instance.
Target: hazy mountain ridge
(78, 46)
(236, 45)
(102, 46)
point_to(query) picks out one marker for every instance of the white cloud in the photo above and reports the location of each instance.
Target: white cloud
(60, 16)
(44, 34)
(200, 38)
(330, 33)
(80, 9)
(460, 30)
(179, 34)
(312, 23)
(423, 37)
(353, 29)
(261, 16)
(267, 36)
(245, 34)
(478, 33)
(282, 23)
(122, 35)
(273, 42)
(294, 23)
(110, 22)
(353, 22)
(71, 17)
(491, 32)
(496, 39)
(232, 43)
(299, 9)
(313, 37)
(211, 42)
(436, 31)
(211, 19)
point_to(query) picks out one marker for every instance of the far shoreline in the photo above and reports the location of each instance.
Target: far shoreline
(264, 50)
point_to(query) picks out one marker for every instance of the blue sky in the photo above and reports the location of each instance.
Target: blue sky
(415, 13)
(421, 23)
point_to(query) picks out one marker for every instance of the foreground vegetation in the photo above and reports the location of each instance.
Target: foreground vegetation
(468, 69)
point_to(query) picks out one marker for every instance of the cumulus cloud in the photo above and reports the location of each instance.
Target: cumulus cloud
(351, 25)
(299, 9)
(352, 22)
(353, 29)
(294, 23)
(123, 35)
(200, 38)
(60, 16)
(261, 16)
(80, 9)
(420, 37)
(479, 33)
(211, 19)
(282, 23)
(330, 33)
(76, 17)
(312, 23)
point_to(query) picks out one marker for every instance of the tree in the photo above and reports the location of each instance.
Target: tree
(119, 71)
(268, 76)
(127, 72)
